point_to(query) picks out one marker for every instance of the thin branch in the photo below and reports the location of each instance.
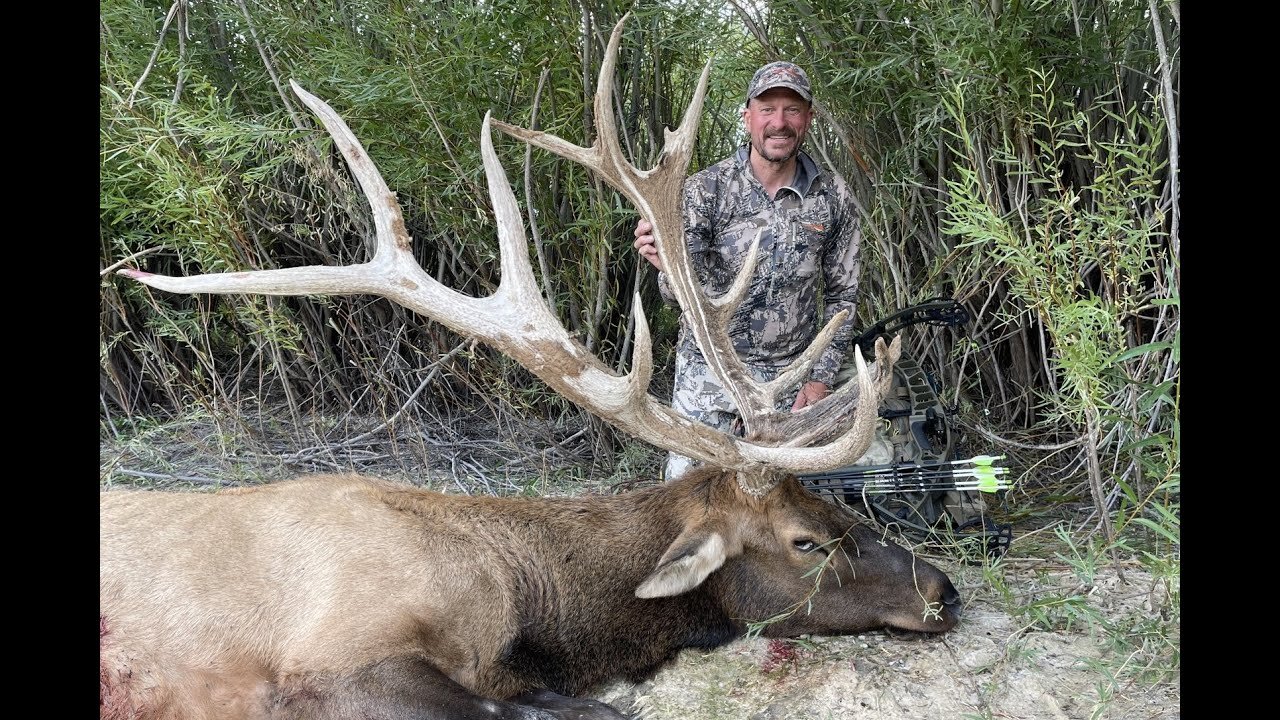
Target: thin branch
(534, 229)
(266, 62)
(180, 478)
(183, 33)
(155, 52)
(1166, 83)
(435, 370)
(117, 265)
(1014, 443)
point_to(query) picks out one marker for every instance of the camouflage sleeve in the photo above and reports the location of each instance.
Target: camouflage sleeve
(841, 266)
(698, 205)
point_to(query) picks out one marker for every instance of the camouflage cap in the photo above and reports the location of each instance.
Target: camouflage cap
(780, 74)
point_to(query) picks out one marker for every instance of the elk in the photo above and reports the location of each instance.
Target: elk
(339, 596)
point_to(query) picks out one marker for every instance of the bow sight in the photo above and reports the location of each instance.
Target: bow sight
(909, 480)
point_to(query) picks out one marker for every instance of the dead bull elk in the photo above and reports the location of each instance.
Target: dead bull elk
(349, 597)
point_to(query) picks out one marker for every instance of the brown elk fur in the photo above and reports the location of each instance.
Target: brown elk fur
(241, 603)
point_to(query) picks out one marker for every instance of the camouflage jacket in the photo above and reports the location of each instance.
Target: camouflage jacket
(809, 245)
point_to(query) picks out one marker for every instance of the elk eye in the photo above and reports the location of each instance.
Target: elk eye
(804, 545)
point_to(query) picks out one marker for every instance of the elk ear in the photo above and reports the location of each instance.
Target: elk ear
(693, 556)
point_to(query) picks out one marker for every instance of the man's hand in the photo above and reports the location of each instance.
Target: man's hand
(810, 393)
(644, 243)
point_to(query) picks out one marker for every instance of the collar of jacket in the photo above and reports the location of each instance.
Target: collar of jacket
(806, 170)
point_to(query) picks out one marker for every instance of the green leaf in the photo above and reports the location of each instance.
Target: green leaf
(1141, 350)
(1144, 442)
(1158, 393)
(1155, 527)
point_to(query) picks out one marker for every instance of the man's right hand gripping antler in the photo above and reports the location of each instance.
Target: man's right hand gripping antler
(645, 245)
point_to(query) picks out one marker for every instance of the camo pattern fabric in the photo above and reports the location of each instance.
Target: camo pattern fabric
(809, 242)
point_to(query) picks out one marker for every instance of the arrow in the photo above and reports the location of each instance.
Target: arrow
(933, 476)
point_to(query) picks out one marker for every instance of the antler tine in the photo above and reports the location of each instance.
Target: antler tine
(392, 252)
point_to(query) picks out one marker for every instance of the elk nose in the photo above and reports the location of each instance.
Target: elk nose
(951, 597)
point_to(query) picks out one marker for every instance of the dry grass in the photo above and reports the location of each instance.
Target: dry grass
(465, 453)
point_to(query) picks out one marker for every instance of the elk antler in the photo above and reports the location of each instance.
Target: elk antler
(516, 321)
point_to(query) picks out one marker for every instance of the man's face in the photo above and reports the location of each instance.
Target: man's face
(777, 121)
